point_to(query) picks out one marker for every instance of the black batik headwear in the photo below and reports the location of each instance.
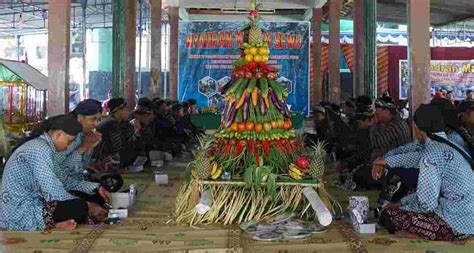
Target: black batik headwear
(88, 107)
(66, 123)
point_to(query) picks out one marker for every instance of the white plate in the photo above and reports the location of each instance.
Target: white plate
(301, 234)
(269, 236)
(249, 226)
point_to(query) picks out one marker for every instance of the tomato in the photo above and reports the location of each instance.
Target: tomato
(258, 127)
(267, 126)
(286, 125)
(281, 123)
(274, 124)
(234, 127)
(241, 127)
(249, 126)
(271, 76)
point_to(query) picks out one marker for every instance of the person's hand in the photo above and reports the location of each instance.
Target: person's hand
(378, 168)
(97, 211)
(105, 194)
(91, 140)
(393, 206)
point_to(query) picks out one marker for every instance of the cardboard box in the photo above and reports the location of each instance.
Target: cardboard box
(120, 200)
(118, 213)
(161, 179)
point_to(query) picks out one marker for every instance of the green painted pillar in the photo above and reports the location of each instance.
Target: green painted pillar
(370, 55)
(105, 49)
(118, 48)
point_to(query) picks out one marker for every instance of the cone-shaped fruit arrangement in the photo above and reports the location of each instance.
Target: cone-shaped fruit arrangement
(256, 129)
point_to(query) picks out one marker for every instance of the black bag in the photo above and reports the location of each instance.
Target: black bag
(109, 180)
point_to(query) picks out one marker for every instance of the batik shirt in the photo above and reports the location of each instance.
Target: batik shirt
(28, 183)
(444, 187)
(72, 167)
(408, 156)
(385, 137)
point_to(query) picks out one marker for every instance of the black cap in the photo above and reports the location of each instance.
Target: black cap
(88, 107)
(65, 122)
(320, 109)
(145, 105)
(465, 105)
(192, 101)
(116, 104)
(351, 102)
(176, 107)
(429, 119)
(385, 102)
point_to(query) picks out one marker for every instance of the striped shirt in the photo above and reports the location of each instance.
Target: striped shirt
(386, 137)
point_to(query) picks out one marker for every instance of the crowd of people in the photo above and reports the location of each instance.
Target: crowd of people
(425, 186)
(62, 174)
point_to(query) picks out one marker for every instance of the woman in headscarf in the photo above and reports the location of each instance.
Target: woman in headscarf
(443, 205)
(33, 197)
(398, 157)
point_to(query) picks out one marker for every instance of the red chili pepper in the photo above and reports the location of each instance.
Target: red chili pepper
(227, 149)
(280, 147)
(250, 146)
(238, 148)
(257, 157)
(266, 147)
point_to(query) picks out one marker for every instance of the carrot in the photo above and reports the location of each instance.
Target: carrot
(254, 96)
(242, 100)
(267, 102)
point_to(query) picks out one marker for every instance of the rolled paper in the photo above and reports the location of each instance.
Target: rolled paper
(204, 203)
(322, 212)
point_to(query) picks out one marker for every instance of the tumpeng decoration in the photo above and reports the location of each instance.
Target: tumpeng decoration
(255, 167)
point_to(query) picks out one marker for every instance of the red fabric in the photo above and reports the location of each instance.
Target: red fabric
(428, 226)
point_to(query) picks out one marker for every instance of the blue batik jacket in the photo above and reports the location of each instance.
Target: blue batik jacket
(72, 167)
(445, 184)
(28, 183)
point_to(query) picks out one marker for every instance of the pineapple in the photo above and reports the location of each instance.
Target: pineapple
(317, 162)
(202, 163)
(255, 34)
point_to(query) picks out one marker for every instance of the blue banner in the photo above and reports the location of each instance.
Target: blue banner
(207, 51)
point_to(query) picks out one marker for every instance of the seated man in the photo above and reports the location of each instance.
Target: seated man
(443, 205)
(355, 167)
(143, 118)
(76, 159)
(33, 198)
(117, 148)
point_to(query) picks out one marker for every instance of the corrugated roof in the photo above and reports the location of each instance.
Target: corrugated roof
(26, 72)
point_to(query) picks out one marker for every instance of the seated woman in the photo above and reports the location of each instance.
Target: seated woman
(401, 181)
(443, 205)
(33, 197)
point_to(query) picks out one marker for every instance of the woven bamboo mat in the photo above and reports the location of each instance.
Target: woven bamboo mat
(149, 230)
